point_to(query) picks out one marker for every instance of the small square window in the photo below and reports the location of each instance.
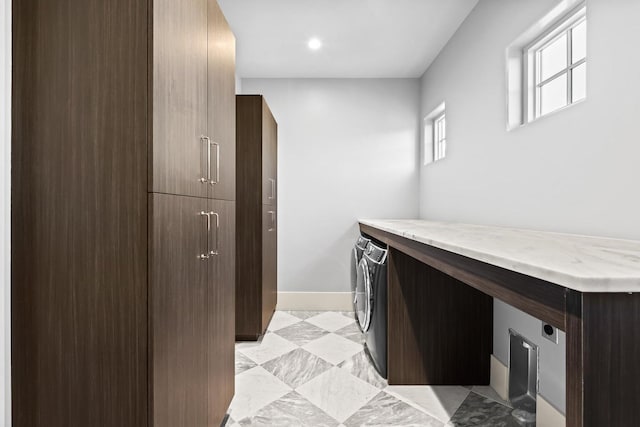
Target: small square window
(557, 66)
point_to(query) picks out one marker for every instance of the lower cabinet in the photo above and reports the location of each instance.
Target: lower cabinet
(269, 263)
(191, 291)
(221, 311)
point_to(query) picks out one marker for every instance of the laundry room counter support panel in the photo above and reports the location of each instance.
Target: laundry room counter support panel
(459, 320)
(428, 312)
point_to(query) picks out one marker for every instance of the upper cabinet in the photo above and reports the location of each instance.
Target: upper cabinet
(269, 156)
(193, 80)
(179, 79)
(221, 94)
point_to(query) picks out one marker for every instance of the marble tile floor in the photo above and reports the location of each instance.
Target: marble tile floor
(310, 369)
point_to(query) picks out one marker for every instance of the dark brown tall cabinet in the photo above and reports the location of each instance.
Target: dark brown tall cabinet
(123, 213)
(257, 232)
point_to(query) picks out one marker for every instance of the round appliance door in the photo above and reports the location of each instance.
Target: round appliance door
(364, 296)
(354, 276)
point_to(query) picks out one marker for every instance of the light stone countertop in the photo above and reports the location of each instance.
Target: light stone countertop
(582, 263)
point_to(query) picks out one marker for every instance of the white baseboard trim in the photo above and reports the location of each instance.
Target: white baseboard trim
(315, 301)
(499, 378)
(546, 414)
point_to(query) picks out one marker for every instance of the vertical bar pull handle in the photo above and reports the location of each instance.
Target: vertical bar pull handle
(272, 216)
(215, 250)
(217, 146)
(207, 178)
(205, 255)
(273, 188)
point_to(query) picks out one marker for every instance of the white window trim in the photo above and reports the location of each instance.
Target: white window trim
(531, 106)
(428, 141)
(439, 138)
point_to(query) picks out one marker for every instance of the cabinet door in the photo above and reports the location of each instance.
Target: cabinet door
(269, 262)
(221, 308)
(78, 215)
(222, 105)
(178, 291)
(273, 152)
(179, 154)
(269, 157)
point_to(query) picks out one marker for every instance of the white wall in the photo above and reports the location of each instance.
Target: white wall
(5, 215)
(572, 171)
(575, 171)
(238, 84)
(333, 135)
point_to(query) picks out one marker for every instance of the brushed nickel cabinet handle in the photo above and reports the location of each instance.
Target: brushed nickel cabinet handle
(205, 256)
(215, 251)
(217, 146)
(272, 214)
(206, 140)
(273, 189)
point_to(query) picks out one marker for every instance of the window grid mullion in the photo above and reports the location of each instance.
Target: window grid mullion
(561, 72)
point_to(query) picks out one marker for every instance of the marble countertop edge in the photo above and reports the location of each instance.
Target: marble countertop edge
(572, 261)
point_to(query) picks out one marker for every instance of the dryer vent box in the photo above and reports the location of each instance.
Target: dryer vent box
(523, 373)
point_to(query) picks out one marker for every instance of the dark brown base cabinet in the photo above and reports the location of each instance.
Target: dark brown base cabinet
(123, 219)
(257, 216)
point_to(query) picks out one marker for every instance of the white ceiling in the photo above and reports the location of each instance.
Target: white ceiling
(361, 38)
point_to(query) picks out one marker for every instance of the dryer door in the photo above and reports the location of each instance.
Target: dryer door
(364, 296)
(355, 259)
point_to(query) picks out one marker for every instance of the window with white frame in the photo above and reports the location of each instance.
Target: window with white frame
(439, 137)
(557, 66)
(435, 135)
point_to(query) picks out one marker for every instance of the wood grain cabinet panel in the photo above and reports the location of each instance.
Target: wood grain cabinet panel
(221, 308)
(179, 160)
(222, 110)
(115, 321)
(269, 157)
(603, 349)
(449, 346)
(257, 216)
(269, 262)
(79, 213)
(193, 57)
(179, 283)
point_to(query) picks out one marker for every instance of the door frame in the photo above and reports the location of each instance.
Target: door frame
(5, 214)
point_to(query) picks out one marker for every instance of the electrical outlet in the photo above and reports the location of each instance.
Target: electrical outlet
(550, 332)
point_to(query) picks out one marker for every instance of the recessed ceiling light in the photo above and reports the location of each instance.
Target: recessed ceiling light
(315, 43)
